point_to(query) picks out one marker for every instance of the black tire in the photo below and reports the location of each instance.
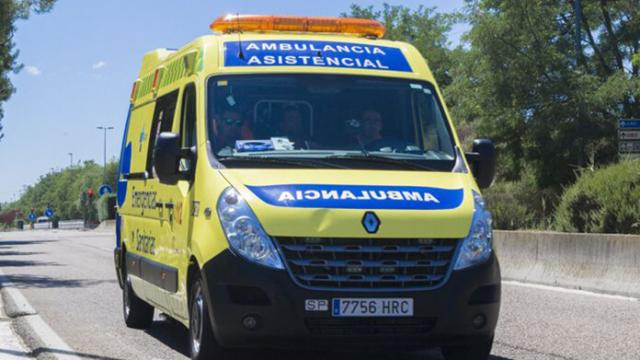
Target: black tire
(475, 351)
(137, 313)
(202, 342)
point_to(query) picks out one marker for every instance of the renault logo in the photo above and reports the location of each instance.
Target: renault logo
(370, 222)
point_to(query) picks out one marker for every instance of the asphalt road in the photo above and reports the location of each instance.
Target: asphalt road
(68, 277)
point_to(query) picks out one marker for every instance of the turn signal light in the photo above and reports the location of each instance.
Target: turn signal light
(317, 24)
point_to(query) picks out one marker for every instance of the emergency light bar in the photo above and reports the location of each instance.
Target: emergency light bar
(318, 24)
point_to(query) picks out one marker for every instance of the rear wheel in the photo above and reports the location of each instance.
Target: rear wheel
(475, 351)
(202, 343)
(137, 313)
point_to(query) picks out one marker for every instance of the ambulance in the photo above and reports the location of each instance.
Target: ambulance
(297, 182)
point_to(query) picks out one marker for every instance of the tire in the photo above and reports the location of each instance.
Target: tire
(202, 342)
(475, 351)
(137, 313)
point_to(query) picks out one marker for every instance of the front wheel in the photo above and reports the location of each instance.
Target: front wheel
(202, 343)
(137, 313)
(475, 351)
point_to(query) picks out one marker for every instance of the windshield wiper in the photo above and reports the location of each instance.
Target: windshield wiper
(380, 159)
(278, 160)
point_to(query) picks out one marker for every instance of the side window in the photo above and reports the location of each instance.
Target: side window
(434, 131)
(162, 121)
(188, 123)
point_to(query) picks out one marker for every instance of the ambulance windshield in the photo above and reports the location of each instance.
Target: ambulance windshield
(325, 119)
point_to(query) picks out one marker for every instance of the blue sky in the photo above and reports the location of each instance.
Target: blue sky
(81, 59)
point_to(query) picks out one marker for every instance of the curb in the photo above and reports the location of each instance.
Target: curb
(42, 341)
(11, 345)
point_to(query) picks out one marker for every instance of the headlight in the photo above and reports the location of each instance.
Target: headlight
(476, 247)
(244, 232)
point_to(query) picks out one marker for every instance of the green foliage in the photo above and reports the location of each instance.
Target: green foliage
(520, 205)
(62, 190)
(606, 200)
(518, 81)
(10, 11)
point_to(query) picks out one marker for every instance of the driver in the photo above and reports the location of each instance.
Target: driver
(370, 127)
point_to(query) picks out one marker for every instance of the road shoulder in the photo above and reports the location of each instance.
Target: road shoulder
(26, 334)
(11, 345)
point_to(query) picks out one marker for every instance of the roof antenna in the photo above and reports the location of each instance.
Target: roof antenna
(240, 52)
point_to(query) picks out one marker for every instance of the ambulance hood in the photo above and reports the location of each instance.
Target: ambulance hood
(333, 203)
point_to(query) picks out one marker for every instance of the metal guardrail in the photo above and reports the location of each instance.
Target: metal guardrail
(63, 224)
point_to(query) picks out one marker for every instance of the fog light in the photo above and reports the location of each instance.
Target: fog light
(479, 321)
(250, 322)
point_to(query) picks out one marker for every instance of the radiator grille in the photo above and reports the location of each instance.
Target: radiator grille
(343, 263)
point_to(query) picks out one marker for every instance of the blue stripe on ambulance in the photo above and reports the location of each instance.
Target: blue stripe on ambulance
(125, 166)
(359, 196)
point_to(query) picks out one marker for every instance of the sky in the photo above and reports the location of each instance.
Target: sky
(81, 59)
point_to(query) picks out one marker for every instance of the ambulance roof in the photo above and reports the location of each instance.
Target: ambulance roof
(279, 52)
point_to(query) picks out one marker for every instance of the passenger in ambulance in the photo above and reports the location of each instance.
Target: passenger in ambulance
(292, 127)
(227, 128)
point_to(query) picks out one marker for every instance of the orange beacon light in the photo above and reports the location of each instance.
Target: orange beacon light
(267, 23)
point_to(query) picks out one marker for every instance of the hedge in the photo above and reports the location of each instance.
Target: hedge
(606, 200)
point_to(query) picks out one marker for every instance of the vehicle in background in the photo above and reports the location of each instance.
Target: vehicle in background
(42, 222)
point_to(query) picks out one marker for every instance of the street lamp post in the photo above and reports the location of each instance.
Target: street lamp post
(104, 154)
(70, 159)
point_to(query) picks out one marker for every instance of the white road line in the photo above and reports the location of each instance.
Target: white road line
(569, 291)
(51, 343)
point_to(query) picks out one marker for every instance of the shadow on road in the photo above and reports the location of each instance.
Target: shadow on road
(20, 263)
(19, 253)
(49, 351)
(175, 336)
(8, 243)
(36, 353)
(172, 334)
(22, 281)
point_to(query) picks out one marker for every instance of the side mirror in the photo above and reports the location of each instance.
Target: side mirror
(166, 157)
(482, 160)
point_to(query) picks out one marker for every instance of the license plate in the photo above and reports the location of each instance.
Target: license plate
(383, 307)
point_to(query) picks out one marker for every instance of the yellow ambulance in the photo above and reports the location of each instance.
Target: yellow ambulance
(298, 182)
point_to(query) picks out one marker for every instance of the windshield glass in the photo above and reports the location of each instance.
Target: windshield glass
(325, 119)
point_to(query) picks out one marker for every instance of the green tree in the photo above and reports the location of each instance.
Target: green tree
(550, 110)
(423, 27)
(10, 11)
(62, 190)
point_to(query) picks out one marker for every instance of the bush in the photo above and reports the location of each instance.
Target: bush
(519, 204)
(603, 201)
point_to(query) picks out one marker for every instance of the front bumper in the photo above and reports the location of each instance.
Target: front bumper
(236, 289)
